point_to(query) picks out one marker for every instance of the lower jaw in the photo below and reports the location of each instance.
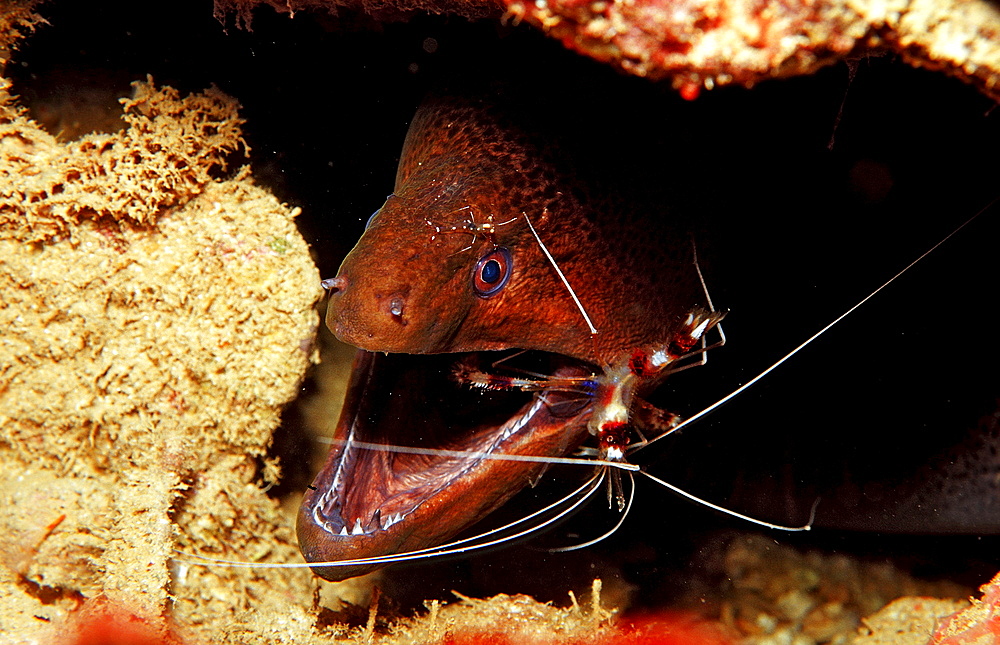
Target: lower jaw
(414, 401)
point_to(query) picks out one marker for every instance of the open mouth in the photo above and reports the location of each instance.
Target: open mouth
(418, 456)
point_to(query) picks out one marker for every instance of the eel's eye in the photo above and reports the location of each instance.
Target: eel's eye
(492, 272)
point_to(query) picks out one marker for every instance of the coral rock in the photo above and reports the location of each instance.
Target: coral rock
(156, 320)
(976, 625)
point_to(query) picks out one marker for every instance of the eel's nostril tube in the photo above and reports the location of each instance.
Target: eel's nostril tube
(335, 285)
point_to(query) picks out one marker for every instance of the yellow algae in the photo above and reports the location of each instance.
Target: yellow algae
(17, 19)
(156, 320)
(513, 619)
(167, 155)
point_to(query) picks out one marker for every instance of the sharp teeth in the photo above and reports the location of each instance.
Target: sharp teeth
(357, 530)
(392, 519)
(343, 531)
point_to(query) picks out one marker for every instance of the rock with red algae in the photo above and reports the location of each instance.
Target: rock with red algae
(976, 625)
(705, 43)
(521, 620)
(672, 629)
(100, 622)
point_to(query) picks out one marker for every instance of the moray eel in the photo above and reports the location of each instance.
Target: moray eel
(494, 240)
(485, 245)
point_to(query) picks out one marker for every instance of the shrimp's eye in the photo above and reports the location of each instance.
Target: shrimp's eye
(492, 272)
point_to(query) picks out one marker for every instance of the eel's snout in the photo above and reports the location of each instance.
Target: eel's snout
(365, 316)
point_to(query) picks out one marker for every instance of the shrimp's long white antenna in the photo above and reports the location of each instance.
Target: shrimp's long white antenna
(614, 529)
(822, 331)
(552, 260)
(586, 491)
(683, 493)
(708, 300)
(701, 277)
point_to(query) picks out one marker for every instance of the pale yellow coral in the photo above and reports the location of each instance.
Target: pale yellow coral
(156, 322)
(166, 156)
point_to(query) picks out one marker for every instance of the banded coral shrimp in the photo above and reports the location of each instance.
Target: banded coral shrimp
(469, 227)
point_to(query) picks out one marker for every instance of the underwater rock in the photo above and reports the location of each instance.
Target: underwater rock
(702, 44)
(707, 43)
(521, 620)
(156, 321)
(905, 621)
(771, 593)
(17, 19)
(169, 153)
(973, 625)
